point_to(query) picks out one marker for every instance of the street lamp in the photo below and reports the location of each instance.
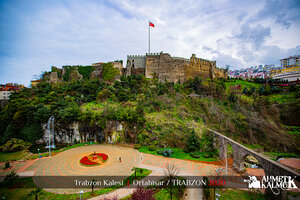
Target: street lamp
(218, 173)
(39, 152)
(80, 193)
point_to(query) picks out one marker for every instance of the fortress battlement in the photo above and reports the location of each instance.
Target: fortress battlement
(153, 54)
(194, 59)
(135, 56)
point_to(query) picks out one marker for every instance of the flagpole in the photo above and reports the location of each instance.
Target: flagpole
(149, 37)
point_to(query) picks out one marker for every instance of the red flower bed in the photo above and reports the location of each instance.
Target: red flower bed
(86, 161)
(103, 156)
(94, 159)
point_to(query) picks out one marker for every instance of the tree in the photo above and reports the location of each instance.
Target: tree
(109, 72)
(32, 132)
(35, 193)
(171, 173)
(11, 177)
(141, 193)
(208, 142)
(193, 141)
(135, 169)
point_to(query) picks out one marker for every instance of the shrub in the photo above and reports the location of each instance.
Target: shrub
(251, 91)
(232, 97)
(160, 151)
(152, 148)
(76, 141)
(186, 150)
(146, 141)
(137, 146)
(207, 155)
(246, 91)
(195, 154)
(14, 145)
(109, 72)
(7, 165)
(275, 89)
(168, 152)
(103, 95)
(261, 90)
(292, 88)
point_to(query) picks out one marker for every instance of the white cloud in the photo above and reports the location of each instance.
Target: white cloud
(39, 34)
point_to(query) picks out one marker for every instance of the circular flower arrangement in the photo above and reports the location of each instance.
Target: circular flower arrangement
(94, 159)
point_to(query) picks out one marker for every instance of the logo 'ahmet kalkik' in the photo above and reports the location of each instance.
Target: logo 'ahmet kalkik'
(275, 183)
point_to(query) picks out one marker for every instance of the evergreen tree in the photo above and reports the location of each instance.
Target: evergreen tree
(193, 141)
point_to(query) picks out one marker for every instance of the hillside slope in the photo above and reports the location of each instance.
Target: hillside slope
(150, 111)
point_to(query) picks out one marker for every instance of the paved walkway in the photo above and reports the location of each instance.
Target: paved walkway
(158, 166)
(67, 164)
(293, 163)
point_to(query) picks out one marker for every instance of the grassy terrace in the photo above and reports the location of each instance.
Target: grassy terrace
(13, 155)
(27, 186)
(274, 155)
(163, 194)
(293, 130)
(283, 97)
(243, 84)
(178, 153)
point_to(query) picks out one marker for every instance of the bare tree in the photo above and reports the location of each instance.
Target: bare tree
(171, 173)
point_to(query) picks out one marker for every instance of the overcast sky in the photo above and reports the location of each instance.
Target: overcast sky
(38, 34)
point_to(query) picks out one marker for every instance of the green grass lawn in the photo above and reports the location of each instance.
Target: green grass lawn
(10, 156)
(293, 129)
(178, 153)
(163, 194)
(274, 155)
(24, 193)
(243, 83)
(283, 97)
(294, 132)
(58, 149)
(253, 146)
(34, 148)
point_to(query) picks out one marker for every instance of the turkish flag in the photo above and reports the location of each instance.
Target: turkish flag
(151, 24)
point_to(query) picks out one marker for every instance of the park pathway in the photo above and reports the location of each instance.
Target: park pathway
(158, 165)
(67, 164)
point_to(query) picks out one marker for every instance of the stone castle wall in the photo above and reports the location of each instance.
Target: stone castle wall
(152, 63)
(160, 65)
(200, 67)
(173, 69)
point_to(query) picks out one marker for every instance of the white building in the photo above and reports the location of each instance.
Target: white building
(4, 95)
